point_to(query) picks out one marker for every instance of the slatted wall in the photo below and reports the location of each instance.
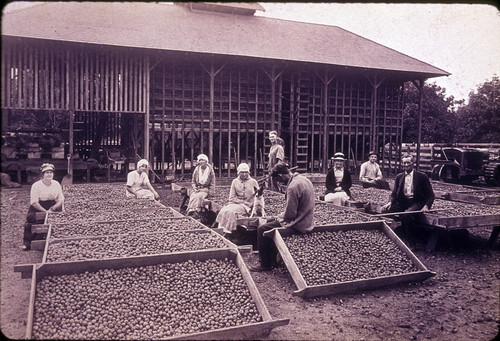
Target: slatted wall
(346, 123)
(242, 114)
(41, 76)
(82, 79)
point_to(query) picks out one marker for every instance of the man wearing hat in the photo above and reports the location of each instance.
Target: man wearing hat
(138, 185)
(298, 215)
(370, 174)
(202, 182)
(338, 182)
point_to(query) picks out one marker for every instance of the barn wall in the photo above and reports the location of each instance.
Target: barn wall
(242, 113)
(221, 106)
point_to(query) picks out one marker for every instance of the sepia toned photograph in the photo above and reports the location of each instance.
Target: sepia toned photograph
(250, 171)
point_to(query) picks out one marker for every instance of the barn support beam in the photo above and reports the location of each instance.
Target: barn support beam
(212, 73)
(273, 75)
(375, 82)
(419, 84)
(326, 79)
(145, 85)
(70, 104)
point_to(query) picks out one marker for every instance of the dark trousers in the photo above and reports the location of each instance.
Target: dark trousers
(31, 219)
(414, 226)
(382, 184)
(267, 249)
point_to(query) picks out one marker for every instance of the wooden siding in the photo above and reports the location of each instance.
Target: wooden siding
(221, 106)
(41, 76)
(242, 113)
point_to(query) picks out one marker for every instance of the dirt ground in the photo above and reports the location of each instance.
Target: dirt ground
(460, 303)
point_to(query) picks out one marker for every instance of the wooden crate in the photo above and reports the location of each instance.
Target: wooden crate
(462, 222)
(476, 199)
(305, 290)
(50, 241)
(145, 223)
(249, 331)
(140, 213)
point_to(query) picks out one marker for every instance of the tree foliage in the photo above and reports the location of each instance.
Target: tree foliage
(438, 114)
(479, 120)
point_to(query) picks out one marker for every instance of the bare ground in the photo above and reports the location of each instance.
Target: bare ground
(460, 303)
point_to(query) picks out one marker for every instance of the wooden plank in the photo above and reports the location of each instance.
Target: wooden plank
(463, 222)
(40, 228)
(287, 258)
(26, 270)
(38, 245)
(31, 312)
(249, 331)
(7, 76)
(311, 291)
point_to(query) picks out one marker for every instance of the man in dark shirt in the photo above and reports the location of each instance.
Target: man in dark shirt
(298, 215)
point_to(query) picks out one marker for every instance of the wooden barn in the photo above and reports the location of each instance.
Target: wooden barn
(167, 82)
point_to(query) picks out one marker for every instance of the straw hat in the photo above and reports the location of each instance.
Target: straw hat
(47, 167)
(338, 157)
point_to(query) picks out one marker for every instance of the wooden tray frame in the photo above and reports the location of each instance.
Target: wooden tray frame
(50, 240)
(250, 331)
(305, 290)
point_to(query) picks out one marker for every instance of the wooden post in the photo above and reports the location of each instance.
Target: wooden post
(70, 82)
(419, 84)
(212, 73)
(326, 79)
(373, 133)
(273, 76)
(146, 71)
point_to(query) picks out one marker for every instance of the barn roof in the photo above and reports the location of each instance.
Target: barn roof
(177, 28)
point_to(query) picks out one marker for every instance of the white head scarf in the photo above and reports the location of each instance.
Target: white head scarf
(142, 162)
(202, 157)
(243, 167)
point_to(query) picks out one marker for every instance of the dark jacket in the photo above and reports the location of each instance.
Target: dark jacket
(300, 199)
(331, 183)
(422, 189)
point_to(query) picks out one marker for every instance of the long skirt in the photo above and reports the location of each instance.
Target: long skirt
(196, 200)
(141, 193)
(337, 198)
(229, 214)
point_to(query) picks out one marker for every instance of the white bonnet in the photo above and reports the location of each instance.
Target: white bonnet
(243, 167)
(202, 157)
(142, 162)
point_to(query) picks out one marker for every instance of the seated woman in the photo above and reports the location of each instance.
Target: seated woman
(46, 196)
(338, 182)
(138, 185)
(203, 181)
(240, 199)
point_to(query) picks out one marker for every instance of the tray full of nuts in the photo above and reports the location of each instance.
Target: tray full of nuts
(91, 228)
(132, 245)
(461, 215)
(344, 258)
(106, 213)
(487, 197)
(194, 296)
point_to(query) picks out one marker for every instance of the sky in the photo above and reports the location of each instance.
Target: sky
(457, 38)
